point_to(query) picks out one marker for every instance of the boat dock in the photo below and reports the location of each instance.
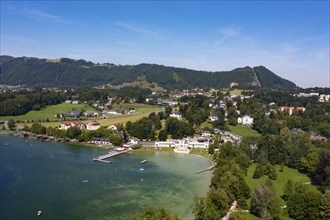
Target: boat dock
(209, 168)
(103, 158)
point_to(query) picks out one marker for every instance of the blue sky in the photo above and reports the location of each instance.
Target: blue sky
(291, 38)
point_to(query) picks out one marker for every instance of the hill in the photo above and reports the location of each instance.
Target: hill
(69, 73)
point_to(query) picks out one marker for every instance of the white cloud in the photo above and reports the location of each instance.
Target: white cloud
(228, 32)
(50, 17)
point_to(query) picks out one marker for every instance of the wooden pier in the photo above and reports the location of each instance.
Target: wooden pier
(209, 168)
(103, 158)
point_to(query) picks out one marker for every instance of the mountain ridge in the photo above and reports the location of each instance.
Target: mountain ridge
(70, 73)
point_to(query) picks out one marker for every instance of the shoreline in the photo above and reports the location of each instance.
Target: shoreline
(76, 143)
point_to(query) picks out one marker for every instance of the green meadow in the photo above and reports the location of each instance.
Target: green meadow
(282, 178)
(48, 112)
(244, 131)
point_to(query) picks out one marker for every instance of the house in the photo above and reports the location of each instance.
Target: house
(68, 124)
(73, 114)
(118, 111)
(206, 134)
(94, 125)
(214, 117)
(317, 138)
(177, 115)
(75, 102)
(112, 127)
(65, 125)
(91, 113)
(133, 141)
(184, 143)
(245, 120)
(230, 136)
(100, 140)
(291, 110)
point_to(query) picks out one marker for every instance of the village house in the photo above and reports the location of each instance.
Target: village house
(94, 125)
(75, 102)
(112, 127)
(317, 138)
(230, 136)
(291, 110)
(184, 143)
(91, 114)
(206, 134)
(245, 120)
(177, 115)
(100, 140)
(73, 114)
(214, 117)
(68, 124)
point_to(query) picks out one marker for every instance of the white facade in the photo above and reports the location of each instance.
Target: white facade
(176, 115)
(213, 118)
(245, 120)
(93, 125)
(183, 143)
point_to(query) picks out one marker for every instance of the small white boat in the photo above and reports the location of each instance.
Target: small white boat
(141, 180)
(85, 181)
(39, 213)
(141, 169)
(143, 161)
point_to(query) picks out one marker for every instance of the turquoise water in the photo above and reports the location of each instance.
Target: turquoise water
(52, 177)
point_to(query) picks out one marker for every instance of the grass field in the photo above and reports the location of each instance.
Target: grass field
(244, 131)
(141, 111)
(48, 112)
(282, 178)
(139, 108)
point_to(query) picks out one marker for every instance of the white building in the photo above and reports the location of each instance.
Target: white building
(184, 143)
(112, 127)
(177, 115)
(206, 134)
(245, 120)
(213, 117)
(68, 124)
(94, 125)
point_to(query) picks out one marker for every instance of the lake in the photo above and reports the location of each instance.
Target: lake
(63, 182)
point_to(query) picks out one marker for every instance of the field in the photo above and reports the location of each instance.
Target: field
(141, 111)
(244, 131)
(48, 112)
(282, 178)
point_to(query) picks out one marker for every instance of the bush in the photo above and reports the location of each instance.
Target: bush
(136, 146)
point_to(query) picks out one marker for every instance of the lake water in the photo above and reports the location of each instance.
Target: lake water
(63, 182)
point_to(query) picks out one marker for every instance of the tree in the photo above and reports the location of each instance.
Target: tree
(73, 132)
(313, 203)
(11, 124)
(288, 189)
(152, 213)
(199, 208)
(310, 162)
(264, 203)
(297, 205)
(162, 135)
(238, 216)
(116, 139)
(325, 205)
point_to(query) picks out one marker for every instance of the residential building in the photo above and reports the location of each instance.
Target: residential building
(245, 120)
(94, 125)
(177, 115)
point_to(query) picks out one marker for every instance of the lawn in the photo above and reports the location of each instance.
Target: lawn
(282, 178)
(48, 112)
(139, 108)
(244, 131)
(141, 111)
